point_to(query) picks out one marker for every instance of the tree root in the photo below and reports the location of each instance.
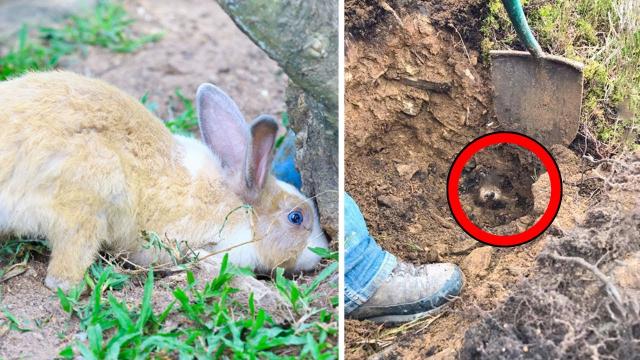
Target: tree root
(612, 290)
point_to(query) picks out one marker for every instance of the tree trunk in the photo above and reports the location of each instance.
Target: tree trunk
(302, 37)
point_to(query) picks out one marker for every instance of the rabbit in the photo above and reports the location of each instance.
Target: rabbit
(89, 167)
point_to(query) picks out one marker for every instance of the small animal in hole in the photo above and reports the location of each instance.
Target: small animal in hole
(490, 193)
(90, 168)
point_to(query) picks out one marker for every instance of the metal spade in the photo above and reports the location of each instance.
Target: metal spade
(536, 94)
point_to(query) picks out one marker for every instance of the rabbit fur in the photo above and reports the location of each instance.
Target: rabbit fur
(89, 167)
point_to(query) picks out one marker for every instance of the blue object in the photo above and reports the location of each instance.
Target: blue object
(367, 266)
(519, 21)
(284, 161)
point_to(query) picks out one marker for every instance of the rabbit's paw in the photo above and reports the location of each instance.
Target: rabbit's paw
(53, 283)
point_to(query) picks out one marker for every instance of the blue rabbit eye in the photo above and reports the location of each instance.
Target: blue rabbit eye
(295, 217)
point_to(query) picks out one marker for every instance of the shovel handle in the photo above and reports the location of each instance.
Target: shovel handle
(519, 21)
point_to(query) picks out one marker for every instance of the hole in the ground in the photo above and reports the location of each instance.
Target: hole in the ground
(495, 187)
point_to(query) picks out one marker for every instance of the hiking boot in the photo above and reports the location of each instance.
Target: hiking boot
(410, 292)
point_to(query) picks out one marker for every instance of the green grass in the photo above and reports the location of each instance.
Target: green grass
(11, 322)
(603, 37)
(107, 25)
(285, 124)
(27, 55)
(187, 120)
(14, 255)
(200, 322)
(214, 325)
(17, 251)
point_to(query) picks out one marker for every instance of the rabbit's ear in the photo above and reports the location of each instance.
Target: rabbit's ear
(222, 126)
(260, 151)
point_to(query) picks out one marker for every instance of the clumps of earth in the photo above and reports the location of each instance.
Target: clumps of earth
(582, 299)
(361, 16)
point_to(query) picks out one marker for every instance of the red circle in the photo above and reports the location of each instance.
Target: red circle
(492, 139)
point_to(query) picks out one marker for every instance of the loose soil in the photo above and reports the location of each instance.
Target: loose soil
(417, 91)
(565, 308)
(200, 44)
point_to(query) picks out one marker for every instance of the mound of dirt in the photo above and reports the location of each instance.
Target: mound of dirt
(412, 102)
(582, 299)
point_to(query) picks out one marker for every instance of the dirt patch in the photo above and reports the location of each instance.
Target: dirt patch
(38, 309)
(566, 309)
(413, 101)
(200, 44)
(415, 96)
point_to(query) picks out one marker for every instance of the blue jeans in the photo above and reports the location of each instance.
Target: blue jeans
(367, 266)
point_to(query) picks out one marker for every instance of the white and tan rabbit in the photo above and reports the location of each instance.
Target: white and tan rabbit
(89, 167)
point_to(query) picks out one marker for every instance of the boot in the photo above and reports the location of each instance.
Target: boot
(410, 292)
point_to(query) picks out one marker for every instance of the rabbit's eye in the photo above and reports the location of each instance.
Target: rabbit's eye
(295, 217)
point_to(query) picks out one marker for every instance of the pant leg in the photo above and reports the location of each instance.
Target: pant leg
(367, 266)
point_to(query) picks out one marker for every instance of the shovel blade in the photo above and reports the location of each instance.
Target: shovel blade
(537, 97)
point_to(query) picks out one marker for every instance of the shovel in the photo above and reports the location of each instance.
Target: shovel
(536, 94)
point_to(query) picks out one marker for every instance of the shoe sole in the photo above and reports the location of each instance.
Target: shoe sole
(392, 320)
(401, 319)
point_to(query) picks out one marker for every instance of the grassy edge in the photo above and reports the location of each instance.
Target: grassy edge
(605, 36)
(219, 325)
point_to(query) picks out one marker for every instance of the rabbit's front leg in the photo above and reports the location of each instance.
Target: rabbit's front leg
(73, 250)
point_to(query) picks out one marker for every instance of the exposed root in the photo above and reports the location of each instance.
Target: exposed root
(612, 290)
(388, 8)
